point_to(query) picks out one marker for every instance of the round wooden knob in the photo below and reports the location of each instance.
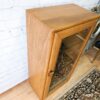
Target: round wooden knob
(51, 73)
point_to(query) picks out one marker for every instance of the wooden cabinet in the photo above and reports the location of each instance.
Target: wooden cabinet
(56, 38)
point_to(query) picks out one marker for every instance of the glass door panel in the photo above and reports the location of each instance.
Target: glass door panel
(68, 54)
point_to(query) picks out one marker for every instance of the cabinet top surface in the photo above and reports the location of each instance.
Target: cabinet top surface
(63, 16)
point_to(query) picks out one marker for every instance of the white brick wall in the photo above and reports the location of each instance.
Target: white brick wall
(13, 46)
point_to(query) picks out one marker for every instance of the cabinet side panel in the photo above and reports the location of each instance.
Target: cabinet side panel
(39, 47)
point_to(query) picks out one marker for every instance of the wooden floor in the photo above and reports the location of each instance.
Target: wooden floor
(25, 92)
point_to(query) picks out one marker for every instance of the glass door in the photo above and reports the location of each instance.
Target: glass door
(68, 53)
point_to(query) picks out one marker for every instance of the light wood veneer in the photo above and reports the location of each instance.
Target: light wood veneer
(46, 28)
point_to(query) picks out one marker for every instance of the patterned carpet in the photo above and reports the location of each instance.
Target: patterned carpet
(87, 89)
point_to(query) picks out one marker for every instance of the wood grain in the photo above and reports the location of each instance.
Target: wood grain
(63, 16)
(46, 28)
(39, 48)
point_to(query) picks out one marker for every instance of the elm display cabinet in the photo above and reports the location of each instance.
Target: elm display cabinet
(57, 36)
